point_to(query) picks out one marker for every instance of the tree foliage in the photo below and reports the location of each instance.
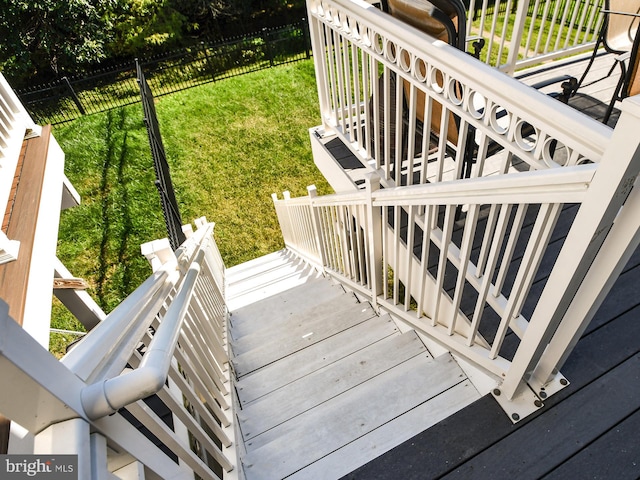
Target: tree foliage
(45, 39)
(41, 38)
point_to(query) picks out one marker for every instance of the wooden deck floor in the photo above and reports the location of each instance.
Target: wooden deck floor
(587, 430)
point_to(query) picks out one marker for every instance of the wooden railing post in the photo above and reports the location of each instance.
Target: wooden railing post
(374, 238)
(592, 229)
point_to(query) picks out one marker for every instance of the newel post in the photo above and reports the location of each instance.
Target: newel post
(620, 243)
(374, 238)
(317, 228)
(603, 235)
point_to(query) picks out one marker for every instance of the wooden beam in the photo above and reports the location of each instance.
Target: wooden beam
(19, 223)
(22, 221)
(70, 283)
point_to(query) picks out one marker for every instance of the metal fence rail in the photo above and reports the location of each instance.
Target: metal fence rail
(170, 208)
(69, 98)
(527, 32)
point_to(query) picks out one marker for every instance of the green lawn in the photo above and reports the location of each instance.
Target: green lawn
(230, 145)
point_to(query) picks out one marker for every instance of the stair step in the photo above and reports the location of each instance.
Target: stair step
(268, 262)
(300, 336)
(363, 450)
(321, 431)
(289, 369)
(337, 378)
(264, 277)
(280, 307)
(270, 324)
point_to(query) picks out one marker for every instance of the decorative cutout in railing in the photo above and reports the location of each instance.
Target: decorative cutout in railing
(452, 114)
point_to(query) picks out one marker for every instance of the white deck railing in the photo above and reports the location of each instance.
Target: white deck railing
(487, 217)
(485, 238)
(416, 110)
(168, 339)
(523, 33)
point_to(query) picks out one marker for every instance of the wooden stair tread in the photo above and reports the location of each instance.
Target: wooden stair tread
(268, 326)
(319, 432)
(270, 312)
(253, 387)
(299, 337)
(335, 379)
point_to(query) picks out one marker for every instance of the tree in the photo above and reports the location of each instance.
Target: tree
(42, 39)
(147, 26)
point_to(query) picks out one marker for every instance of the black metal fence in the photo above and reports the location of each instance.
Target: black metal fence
(70, 98)
(170, 209)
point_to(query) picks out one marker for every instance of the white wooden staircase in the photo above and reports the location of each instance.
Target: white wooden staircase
(323, 383)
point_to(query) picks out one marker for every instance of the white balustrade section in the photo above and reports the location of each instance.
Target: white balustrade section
(523, 33)
(457, 259)
(168, 339)
(415, 109)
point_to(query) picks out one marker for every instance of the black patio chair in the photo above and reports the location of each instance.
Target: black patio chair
(619, 27)
(629, 82)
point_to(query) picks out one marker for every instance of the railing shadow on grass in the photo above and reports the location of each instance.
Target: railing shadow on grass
(70, 98)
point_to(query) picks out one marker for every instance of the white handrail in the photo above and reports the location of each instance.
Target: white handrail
(105, 350)
(399, 246)
(106, 397)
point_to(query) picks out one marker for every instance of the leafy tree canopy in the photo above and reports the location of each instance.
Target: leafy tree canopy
(45, 39)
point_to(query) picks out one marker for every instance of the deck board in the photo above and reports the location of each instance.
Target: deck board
(21, 222)
(562, 431)
(617, 450)
(335, 379)
(318, 433)
(296, 336)
(313, 358)
(383, 438)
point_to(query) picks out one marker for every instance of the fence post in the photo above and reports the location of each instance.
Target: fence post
(374, 234)
(74, 97)
(208, 61)
(304, 25)
(267, 46)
